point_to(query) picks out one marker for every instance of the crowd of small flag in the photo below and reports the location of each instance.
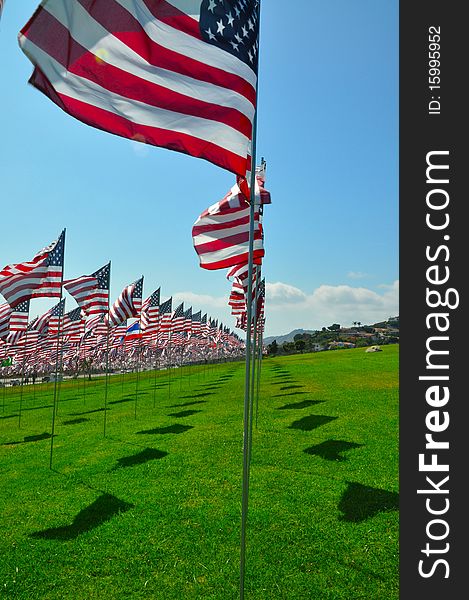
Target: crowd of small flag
(95, 331)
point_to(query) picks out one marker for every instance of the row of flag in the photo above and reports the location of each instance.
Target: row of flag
(94, 320)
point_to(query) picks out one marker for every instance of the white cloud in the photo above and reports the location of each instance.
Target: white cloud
(357, 275)
(279, 292)
(327, 304)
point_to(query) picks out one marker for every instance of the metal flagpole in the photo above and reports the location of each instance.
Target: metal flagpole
(107, 375)
(260, 359)
(247, 402)
(138, 377)
(254, 359)
(54, 405)
(157, 362)
(108, 328)
(22, 377)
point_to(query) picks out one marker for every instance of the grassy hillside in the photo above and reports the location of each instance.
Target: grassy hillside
(153, 509)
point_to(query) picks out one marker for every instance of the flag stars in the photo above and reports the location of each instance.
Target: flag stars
(210, 34)
(238, 38)
(245, 31)
(235, 46)
(211, 5)
(221, 27)
(230, 18)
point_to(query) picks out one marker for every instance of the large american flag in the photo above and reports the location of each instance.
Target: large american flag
(91, 292)
(179, 74)
(128, 304)
(221, 233)
(40, 277)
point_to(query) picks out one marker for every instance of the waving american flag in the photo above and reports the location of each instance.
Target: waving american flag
(179, 74)
(37, 278)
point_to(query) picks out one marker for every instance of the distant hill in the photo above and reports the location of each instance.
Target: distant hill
(288, 337)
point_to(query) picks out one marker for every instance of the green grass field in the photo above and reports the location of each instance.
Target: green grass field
(153, 510)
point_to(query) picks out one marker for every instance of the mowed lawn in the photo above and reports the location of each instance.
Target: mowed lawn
(153, 510)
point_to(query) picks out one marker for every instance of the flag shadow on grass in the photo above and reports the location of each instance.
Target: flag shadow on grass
(311, 422)
(298, 405)
(75, 421)
(31, 438)
(37, 407)
(127, 399)
(101, 510)
(8, 417)
(169, 429)
(288, 394)
(139, 458)
(184, 413)
(187, 403)
(291, 387)
(88, 412)
(331, 449)
(201, 395)
(360, 502)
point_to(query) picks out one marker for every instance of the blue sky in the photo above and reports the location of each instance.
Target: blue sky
(327, 127)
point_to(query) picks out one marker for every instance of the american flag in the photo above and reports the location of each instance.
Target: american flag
(40, 277)
(237, 299)
(165, 318)
(1, 7)
(56, 317)
(150, 312)
(5, 312)
(73, 325)
(187, 327)
(177, 320)
(204, 326)
(221, 233)
(91, 292)
(177, 74)
(41, 323)
(19, 316)
(128, 304)
(196, 323)
(96, 324)
(18, 322)
(240, 274)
